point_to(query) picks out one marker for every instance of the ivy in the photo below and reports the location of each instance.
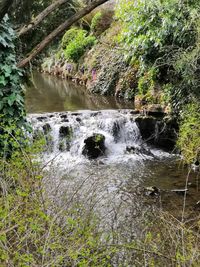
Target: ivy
(12, 108)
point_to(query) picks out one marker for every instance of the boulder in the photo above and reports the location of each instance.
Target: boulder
(160, 132)
(146, 126)
(94, 146)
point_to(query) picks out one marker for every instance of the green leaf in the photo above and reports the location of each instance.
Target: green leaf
(3, 80)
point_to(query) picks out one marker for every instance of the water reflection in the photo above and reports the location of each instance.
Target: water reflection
(46, 93)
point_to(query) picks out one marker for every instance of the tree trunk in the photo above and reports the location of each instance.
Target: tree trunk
(40, 17)
(63, 27)
(4, 6)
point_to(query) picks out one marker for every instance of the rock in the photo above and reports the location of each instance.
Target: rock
(130, 149)
(78, 119)
(63, 116)
(64, 145)
(48, 137)
(75, 113)
(152, 191)
(64, 120)
(41, 118)
(155, 110)
(146, 126)
(166, 133)
(46, 128)
(94, 146)
(65, 131)
(134, 112)
(160, 132)
(65, 136)
(94, 114)
(139, 150)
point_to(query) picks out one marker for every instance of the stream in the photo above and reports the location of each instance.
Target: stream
(116, 184)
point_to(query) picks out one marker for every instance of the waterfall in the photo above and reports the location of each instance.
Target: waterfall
(108, 183)
(66, 132)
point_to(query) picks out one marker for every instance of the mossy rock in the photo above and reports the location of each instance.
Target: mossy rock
(94, 146)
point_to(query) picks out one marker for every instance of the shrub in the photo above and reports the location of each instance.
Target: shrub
(146, 82)
(69, 36)
(75, 43)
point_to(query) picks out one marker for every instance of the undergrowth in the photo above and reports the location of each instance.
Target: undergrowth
(40, 228)
(35, 231)
(189, 135)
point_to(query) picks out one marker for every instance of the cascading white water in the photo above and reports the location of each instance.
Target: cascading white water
(118, 127)
(122, 137)
(104, 175)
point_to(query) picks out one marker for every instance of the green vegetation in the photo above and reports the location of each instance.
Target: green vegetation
(12, 112)
(30, 9)
(146, 83)
(42, 227)
(95, 21)
(35, 231)
(75, 42)
(189, 135)
(164, 35)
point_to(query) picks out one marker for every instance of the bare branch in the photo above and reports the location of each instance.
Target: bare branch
(40, 17)
(63, 27)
